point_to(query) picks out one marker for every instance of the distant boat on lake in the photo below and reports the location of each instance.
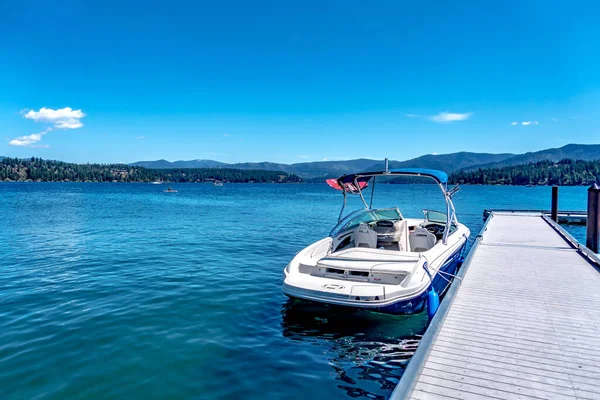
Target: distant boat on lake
(217, 183)
(169, 190)
(156, 182)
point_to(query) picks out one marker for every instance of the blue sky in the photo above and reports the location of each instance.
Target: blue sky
(293, 82)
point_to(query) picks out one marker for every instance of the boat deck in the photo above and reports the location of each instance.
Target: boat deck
(524, 323)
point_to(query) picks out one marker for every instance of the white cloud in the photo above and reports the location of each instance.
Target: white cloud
(63, 118)
(69, 124)
(29, 140)
(445, 117)
(141, 137)
(526, 123)
(226, 134)
(555, 119)
(411, 115)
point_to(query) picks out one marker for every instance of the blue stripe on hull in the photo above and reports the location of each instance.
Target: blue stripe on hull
(416, 304)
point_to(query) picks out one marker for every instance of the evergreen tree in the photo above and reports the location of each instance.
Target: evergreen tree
(566, 172)
(36, 169)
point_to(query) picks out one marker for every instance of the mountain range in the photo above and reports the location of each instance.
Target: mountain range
(446, 162)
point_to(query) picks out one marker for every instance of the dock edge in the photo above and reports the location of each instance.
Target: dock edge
(416, 363)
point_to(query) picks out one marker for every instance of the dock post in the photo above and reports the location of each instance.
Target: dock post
(554, 209)
(593, 218)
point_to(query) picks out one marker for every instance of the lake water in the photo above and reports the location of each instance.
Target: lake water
(121, 290)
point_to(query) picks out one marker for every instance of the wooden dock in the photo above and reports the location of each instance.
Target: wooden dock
(564, 216)
(523, 323)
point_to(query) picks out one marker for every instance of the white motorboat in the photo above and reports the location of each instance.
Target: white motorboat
(378, 259)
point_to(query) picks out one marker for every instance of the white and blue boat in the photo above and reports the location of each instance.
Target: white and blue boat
(377, 259)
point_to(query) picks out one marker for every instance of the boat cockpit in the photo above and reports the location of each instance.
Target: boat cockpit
(387, 229)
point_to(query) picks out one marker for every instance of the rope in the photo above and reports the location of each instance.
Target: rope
(449, 274)
(442, 273)
(425, 267)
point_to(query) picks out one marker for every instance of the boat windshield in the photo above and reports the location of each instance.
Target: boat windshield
(358, 217)
(435, 216)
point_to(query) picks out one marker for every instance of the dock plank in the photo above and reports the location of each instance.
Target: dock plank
(524, 323)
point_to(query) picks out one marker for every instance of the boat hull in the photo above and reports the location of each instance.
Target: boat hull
(440, 282)
(405, 306)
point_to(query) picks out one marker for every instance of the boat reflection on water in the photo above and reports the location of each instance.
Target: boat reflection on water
(368, 351)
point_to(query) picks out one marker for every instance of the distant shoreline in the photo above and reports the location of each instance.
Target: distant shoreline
(164, 183)
(566, 172)
(283, 183)
(39, 170)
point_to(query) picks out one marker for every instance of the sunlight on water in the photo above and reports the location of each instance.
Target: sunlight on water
(121, 290)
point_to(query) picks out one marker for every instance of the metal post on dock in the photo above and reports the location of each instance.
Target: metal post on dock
(593, 218)
(554, 209)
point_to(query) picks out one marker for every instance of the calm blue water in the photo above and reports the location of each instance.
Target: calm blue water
(121, 290)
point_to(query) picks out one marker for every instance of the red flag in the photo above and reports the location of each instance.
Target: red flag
(350, 186)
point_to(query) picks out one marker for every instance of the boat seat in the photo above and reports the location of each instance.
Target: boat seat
(365, 237)
(392, 233)
(388, 230)
(421, 240)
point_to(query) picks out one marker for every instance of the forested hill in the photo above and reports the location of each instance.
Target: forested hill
(38, 170)
(565, 172)
(319, 170)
